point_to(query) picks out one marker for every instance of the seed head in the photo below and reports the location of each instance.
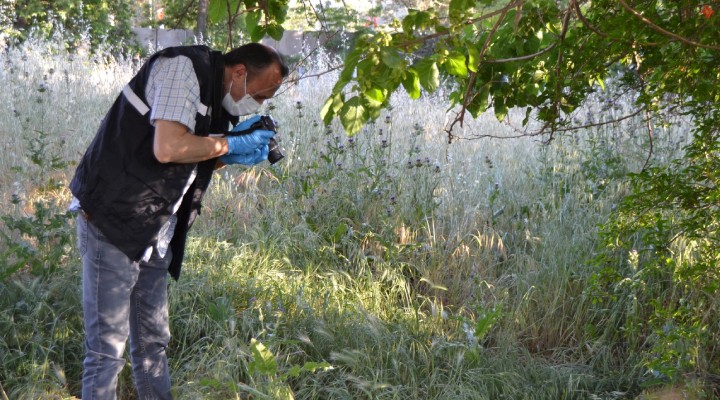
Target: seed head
(43, 87)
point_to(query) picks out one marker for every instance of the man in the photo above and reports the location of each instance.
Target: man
(138, 189)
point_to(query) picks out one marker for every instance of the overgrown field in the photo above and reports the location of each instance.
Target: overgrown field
(388, 265)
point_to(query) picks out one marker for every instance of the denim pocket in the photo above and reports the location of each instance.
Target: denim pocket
(82, 233)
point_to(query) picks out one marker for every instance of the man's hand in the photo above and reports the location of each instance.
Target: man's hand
(246, 144)
(241, 126)
(259, 155)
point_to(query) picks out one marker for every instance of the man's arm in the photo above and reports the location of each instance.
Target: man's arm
(175, 143)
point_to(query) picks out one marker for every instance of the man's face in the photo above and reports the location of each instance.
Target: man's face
(261, 84)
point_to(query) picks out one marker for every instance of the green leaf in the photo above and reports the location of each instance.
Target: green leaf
(480, 102)
(278, 10)
(275, 31)
(373, 113)
(311, 366)
(528, 113)
(458, 8)
(217, 9)
(332, 105)
(501, 109)
(417, 20)
(353, 115)
(440, 28)
(351, 62)
(455, 64)
(456, 98)
(252, 20)
(294, 371)
(411, 83)
(391, 57)
(486, 320)
(340, 231)
(428, 73)
(375, 96)
(597, 80)
(473, 58)
(367, 68)
(257, 34)
(263, 361)
(408, 23)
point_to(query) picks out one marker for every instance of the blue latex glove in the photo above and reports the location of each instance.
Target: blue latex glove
(241, 126)
(259, 155)
(246, 144)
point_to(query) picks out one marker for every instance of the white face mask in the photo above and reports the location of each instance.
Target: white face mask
(246, 105)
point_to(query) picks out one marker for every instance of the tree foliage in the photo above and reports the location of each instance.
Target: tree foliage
(229, 22)
(90, 21)
(542, 55)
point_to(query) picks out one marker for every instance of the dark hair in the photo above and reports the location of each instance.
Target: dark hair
(256, 56)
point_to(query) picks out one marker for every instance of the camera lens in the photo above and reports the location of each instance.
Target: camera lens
(275, 154)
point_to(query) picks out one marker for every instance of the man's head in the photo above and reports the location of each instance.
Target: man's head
(253, 73)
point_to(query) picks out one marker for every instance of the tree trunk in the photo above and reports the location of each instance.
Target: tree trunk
(202, 17)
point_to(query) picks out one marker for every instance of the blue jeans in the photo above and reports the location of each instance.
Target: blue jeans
(122, 298)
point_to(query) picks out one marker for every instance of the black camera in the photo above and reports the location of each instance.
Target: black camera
(267, 123)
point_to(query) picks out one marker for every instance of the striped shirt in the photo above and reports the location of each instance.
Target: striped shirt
(173, 91)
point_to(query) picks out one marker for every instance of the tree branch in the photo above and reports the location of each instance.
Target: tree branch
(544, 129)
(183, 14)
(558, 70)
(600, 33)
(460, 117)
(231, 22)
(589, 25)
(657, 28)
(648, 125)
(316, 75)
(522, 58)
(503, 11)
(603, 123)
(425, 38)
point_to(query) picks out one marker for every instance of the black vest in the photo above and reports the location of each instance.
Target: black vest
(125, 191)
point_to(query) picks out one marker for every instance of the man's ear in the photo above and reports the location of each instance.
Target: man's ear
(239, 70)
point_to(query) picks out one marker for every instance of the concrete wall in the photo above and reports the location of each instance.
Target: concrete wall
(300, 42)
(156, 39)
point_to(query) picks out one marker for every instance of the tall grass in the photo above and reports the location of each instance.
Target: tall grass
(415, 268)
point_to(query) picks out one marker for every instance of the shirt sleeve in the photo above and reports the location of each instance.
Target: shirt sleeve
(173, 91)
